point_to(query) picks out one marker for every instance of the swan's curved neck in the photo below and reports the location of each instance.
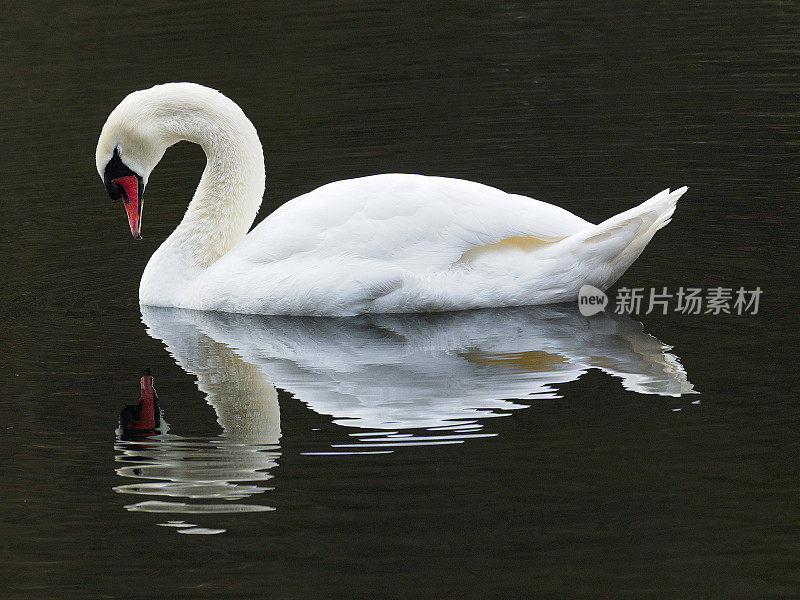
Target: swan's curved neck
(229, 193)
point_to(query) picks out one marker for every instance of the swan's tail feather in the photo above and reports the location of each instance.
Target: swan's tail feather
(618, 241)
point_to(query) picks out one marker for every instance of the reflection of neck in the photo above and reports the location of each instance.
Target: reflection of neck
(245, 402)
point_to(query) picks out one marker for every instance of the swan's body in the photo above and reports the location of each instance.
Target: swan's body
(385, 243)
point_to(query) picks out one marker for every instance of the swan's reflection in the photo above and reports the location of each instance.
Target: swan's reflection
(394, 379)
(406, 371)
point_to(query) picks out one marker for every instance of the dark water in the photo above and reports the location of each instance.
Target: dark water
(515, 454)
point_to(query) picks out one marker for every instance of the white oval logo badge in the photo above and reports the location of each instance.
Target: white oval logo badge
(591, 300)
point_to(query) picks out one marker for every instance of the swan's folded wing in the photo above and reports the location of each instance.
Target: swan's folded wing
(414, 222)
(302, 284)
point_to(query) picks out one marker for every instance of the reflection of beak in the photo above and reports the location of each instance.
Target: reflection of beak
(146, 387)
(133, 203)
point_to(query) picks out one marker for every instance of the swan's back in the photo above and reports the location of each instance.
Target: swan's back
(420, 223)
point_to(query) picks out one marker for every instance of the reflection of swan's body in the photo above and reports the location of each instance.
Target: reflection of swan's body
(380, 244)
(439, 372)
(404, 371)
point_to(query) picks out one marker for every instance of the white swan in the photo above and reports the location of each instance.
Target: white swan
(384, 243)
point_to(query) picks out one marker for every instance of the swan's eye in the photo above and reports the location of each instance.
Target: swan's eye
(115, 191)
(114, 171)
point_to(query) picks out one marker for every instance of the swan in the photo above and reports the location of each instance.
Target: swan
(388, 243)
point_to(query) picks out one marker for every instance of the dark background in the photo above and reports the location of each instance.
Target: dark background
(591, 106)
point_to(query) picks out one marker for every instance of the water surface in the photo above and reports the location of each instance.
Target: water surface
(521, 453)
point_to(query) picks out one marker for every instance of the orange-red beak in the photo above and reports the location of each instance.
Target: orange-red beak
(133, 203)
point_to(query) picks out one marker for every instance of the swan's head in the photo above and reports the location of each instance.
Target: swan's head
(130, 146)
(140, 129)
